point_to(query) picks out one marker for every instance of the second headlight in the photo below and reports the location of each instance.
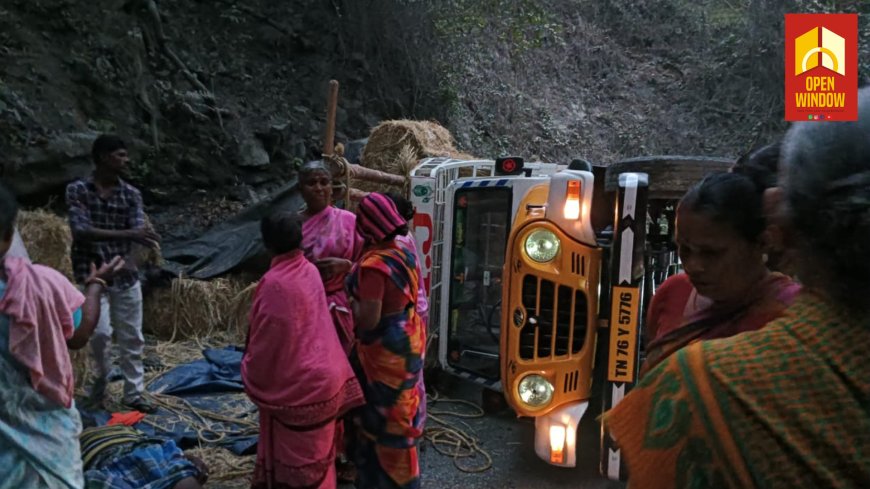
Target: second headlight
(542, 245)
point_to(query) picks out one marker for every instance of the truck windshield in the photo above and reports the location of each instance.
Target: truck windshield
(481, 224)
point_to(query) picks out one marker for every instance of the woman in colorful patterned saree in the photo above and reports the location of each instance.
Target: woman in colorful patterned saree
(787, 406)
(390, 350)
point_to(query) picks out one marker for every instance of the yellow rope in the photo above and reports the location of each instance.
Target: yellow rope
(450, 441)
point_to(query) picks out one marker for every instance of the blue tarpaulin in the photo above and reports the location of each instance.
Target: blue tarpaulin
(210, 384)
(234, 438)
(219, 371)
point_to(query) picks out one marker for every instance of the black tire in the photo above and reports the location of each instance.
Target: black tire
(669, 176)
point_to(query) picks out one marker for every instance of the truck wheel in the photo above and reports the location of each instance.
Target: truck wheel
(669, 176)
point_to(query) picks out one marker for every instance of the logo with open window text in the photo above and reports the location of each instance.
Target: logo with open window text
(821, 61)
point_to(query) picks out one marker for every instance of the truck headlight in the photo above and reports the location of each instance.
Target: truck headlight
(542, 245)
(535, 390)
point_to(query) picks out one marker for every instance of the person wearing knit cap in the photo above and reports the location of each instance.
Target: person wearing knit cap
(390, 350)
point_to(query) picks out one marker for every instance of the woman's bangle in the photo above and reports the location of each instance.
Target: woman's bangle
(97, 280)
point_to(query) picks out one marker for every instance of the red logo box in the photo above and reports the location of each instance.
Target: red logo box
(821, 66)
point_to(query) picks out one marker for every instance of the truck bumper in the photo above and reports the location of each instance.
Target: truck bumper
(556, 434)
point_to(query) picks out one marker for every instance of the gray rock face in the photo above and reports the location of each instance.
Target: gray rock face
(64, 158)
(253, 154)
(353, 150)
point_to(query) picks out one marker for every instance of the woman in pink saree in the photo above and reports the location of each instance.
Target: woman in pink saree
(331, 242)
(294, 368)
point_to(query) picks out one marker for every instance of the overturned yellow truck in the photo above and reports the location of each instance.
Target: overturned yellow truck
(538, 275)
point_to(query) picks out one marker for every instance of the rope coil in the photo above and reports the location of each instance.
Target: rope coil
(450, 441)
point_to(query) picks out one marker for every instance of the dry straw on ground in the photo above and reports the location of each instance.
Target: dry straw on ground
(210, 425)
(81, 363)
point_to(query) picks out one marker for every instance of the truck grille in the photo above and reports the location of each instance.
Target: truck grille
(549, 330)
(578, 264)
(572, 381)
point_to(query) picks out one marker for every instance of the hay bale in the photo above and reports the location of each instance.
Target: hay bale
(396, 147)
(239, 308)
(193, 309)
(157, 312)
(81, 364)
(145, 256)
(47, 238)
(390, 138)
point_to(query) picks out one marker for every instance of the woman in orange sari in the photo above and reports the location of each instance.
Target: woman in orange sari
(390, 351)
(787, 406)
(294, 368)
(727, 288)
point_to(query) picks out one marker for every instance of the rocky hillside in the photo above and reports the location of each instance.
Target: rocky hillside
(221, 98)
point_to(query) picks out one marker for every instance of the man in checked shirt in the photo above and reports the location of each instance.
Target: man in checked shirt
(106, 218)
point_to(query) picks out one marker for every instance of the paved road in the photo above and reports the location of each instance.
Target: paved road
(510, 442)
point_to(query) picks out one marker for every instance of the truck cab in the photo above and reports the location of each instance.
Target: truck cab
(522, 285)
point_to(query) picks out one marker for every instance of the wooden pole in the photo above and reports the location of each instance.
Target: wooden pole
(331, 105)
(371, 175)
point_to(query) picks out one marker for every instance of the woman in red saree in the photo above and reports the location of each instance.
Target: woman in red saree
(294, 368)
(727, 288)
(331, 242)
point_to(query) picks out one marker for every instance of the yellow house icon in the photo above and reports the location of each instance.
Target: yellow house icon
(807, 47)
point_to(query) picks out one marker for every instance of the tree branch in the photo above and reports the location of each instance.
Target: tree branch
(162, 41)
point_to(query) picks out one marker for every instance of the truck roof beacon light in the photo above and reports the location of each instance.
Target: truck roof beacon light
(509, 165)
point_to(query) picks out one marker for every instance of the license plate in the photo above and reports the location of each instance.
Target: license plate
(623, 334)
